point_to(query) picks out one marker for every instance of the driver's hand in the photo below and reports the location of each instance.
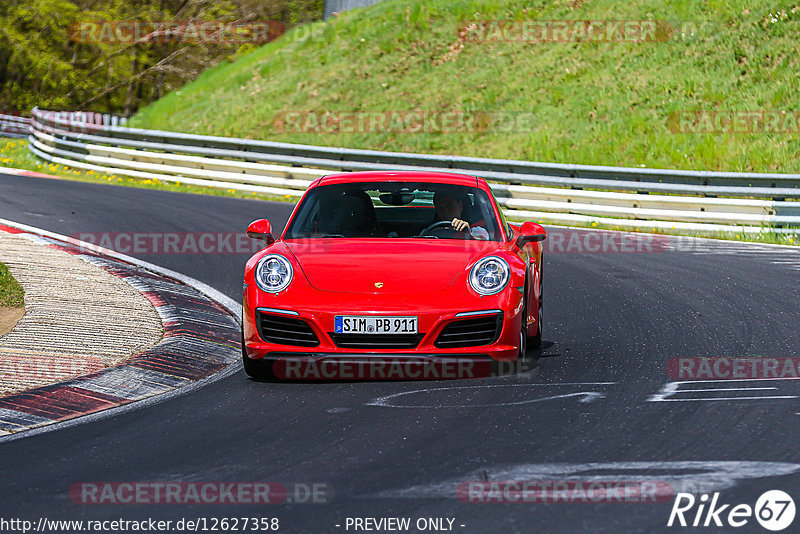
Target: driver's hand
(459, 225)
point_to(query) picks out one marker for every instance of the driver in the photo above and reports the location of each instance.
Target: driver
(450, 208)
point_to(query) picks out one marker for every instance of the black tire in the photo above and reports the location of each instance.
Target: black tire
(536, 341)
(523, 333)
(258, 369)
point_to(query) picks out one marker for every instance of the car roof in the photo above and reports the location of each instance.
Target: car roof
(400, 176)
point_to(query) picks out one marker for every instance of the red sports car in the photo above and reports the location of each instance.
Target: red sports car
(390, 266)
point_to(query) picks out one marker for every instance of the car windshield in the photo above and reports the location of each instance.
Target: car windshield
(395, 210)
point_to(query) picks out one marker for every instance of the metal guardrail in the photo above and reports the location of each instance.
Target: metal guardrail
(551, 192)
(19, 126)
(14, 125)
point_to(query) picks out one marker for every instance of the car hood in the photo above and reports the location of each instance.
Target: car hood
(384, 266)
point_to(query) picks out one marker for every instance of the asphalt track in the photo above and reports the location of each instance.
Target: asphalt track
(613, 322)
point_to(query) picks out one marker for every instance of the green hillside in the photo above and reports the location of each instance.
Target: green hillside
(608, 102)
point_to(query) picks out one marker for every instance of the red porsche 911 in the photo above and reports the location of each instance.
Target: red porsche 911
(392, 265)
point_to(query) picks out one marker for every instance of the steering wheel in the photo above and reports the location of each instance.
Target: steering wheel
(441, 225)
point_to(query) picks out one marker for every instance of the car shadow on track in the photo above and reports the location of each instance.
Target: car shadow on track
(309, 370)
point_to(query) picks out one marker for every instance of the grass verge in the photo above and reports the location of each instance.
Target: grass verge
(11, 293)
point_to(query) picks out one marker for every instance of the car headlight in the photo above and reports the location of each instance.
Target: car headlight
(490, 275)
(273, 273)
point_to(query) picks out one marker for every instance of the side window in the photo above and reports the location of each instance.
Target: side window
(484, 212)
(503, 220)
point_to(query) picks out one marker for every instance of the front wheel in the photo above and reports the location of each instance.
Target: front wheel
(536, 341)
(258, 369)
(523, 331)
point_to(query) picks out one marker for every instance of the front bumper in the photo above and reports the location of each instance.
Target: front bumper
(504, 345)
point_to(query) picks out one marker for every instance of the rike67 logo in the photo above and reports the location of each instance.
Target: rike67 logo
(774, 510)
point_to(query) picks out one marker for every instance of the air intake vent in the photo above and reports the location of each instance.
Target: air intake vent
(472, 332)
(286, 331)
(376, 341)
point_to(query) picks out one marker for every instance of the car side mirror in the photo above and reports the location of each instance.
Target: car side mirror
(261, 229)
(530, 232)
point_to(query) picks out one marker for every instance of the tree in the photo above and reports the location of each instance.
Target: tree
(117, 55)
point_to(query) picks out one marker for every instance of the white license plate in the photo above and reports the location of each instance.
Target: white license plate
(361, 324)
